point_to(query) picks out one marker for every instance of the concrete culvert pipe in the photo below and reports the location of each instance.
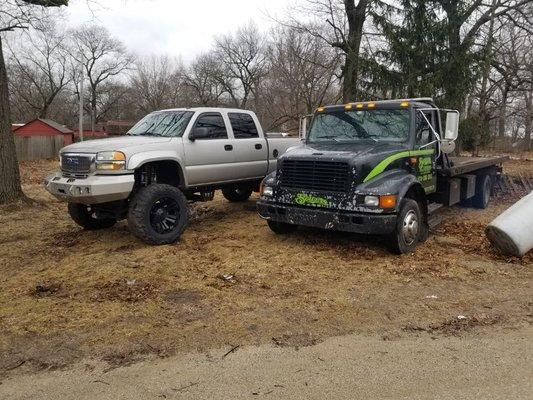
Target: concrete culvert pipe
(512, 231)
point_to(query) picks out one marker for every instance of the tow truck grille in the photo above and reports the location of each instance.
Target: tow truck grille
(76, 164)
(329, 176)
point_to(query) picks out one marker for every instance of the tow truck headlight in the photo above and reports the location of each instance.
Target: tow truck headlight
(385, 202)
(110, 161)
(372, 201)
(267, 191)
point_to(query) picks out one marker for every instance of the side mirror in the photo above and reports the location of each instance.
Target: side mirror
(302, 132)
(452, 126)
(447, 146)
(199, 133)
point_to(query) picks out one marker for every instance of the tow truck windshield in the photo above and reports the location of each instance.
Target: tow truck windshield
(360, 125)
(166, 124)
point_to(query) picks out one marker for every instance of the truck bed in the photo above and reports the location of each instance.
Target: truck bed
(465, 165)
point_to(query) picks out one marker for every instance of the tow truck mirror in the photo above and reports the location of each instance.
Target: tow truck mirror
(447, 146)
(452, 126)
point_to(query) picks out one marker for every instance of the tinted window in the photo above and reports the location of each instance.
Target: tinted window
(215, 123)
(243, 126)
(424, 134)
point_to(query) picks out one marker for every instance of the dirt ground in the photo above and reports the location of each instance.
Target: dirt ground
(67, 295)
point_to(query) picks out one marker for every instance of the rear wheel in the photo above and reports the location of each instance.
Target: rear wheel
(158, 214)
(483, 191)
(237, 194)
(85, 216)
(281, 228)
(409, 228)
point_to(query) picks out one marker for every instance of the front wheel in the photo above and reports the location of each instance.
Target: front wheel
(281, 228)
(158, 214)
(237, 194)
(409, 228)
(85, 216)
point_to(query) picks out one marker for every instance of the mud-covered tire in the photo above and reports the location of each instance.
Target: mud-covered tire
(158, 214)
(237, 194)
(407, 232)
(281, 228)
(483, 191)
(84, 216)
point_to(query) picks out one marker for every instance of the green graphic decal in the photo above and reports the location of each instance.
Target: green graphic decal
(382, 166)
(308, 200)
(425, 169)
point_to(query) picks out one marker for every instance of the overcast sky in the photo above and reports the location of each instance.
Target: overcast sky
(177, 27)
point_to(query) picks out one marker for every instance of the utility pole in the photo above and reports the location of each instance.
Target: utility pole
(81, 105)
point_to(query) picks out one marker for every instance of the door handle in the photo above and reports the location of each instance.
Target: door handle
(258, 146)
(228, 147)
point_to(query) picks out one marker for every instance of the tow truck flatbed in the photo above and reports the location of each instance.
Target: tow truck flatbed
(465, 165)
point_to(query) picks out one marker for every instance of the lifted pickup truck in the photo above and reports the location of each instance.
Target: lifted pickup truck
(375, 168)
(169, 158)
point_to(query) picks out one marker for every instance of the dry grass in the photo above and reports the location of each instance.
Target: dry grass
(68, 294)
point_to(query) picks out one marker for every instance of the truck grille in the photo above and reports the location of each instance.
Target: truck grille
(76, 164)
(329, 176)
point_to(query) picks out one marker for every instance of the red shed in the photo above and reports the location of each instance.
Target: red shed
(45, 127)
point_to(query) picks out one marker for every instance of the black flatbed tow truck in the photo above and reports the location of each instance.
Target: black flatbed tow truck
(379, 168)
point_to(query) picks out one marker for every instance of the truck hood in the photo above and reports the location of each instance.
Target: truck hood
(126, 144)
(362, 157)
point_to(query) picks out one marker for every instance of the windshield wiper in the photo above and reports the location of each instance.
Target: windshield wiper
(328, 137)
(151, 134)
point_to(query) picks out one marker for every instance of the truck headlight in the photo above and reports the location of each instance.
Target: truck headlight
(372, 201)
(110, 160)
(267, 191)
(385, 202)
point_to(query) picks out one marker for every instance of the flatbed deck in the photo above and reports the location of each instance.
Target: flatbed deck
(464, 165)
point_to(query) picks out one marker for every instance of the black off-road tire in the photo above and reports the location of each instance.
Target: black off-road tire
(237, 194)
(404, 239)
(145, 209)
(83, 215)
(483, 192)
(281, 228)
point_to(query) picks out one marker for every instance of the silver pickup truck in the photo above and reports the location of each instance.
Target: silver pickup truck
(166, 160)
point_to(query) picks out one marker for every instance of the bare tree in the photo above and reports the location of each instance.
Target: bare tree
(346, 21)
(41, 64)
(512, 57)
(14, 14)
(243, 62)
(156, 82)
(102, 57)
(301, 77)
(203, 80)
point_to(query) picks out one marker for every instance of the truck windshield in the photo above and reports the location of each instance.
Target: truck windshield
(357, 125)
(162, 123)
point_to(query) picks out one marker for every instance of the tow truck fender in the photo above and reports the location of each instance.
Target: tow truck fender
(396, 181)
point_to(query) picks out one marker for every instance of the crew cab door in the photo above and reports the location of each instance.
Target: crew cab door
(426, 124)
(209, 159)
(251, 148)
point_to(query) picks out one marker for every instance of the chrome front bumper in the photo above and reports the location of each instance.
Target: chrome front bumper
(94, 189)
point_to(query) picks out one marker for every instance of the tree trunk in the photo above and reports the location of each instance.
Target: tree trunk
(93, 110)
(484, 96)
(356, 20)
(529, 120)
(503, 113)
(10, 189)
